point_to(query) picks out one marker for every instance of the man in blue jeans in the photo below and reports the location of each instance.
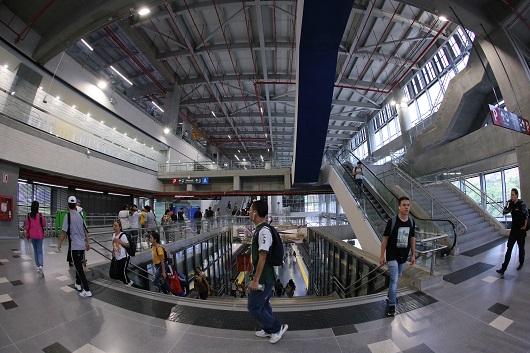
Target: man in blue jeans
(397, 243)
(260, 288)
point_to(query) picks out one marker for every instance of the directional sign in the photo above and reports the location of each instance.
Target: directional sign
(205, 180)
(504, 118)
(184, 181)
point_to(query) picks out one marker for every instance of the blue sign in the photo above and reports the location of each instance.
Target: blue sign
(204, 180)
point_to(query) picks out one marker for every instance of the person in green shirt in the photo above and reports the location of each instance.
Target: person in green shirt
(262, 283)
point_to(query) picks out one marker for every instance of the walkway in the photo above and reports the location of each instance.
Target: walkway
(473, 311)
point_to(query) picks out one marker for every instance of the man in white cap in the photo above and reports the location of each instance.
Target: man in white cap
(74, 226)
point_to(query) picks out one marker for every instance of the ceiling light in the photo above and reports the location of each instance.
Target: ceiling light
(166, 130)
(244, 160)
(6, 66)
(261, 110)
(229, 137)
(92, 191)
(59, 98)
(239, 151)
(74, 106)
(52, 185)
(13, 93)
(102, 84)
(443, 18)
(114, 128)
(151, 147)
(40, 87)
(135, 139)
(143, 11)
(102, 122)
(235, 155)
(392, 102)
(268, 150)
(157, 106)
(124, 134)
(119, 73)
(85, 43)
(265, 135)
(261, 157)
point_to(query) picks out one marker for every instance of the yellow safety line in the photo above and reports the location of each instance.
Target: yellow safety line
(302, 268)
(240, 277)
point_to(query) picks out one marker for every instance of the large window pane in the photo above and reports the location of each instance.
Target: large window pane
(511, 178)
(494, 191)
(423, 105)
(435, 92)
(473, 192)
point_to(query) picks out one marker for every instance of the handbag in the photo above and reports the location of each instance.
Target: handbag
(114, 271)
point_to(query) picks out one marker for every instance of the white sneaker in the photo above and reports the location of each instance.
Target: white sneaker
(85, 293)
(262, 333)
(78, 287)
(130, 284)
(275, 337)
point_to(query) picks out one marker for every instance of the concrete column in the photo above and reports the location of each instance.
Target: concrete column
(370, 137)
(328, 208)
(171, 108)
(276, 204)
(287, 181)
(404, 121)
(237, 182)
(25, 85)
(514, 86)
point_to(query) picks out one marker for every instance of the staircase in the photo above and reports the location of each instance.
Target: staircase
(479, 230)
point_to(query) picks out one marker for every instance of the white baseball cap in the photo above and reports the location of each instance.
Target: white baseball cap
(72, 199)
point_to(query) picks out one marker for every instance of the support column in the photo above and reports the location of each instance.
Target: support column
(276, 204)
(511, 75)
(370, 137)
(404, 121)
(328, 201)
(237, 182)
(25, 85)
(171, 108)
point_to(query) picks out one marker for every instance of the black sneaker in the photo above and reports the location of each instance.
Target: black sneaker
(387, 299)
(500, 272)
(520, 266)
(391, 310)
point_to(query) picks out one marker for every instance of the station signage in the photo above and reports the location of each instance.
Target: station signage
(186, 181)
(509, 120)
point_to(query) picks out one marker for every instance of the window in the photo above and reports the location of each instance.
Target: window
(413, 114)
(494, 191)
(435, 92)
(511, 179)
(423, 106)
(474, 181)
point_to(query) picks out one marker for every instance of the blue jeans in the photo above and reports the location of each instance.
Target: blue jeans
(159, 282)
(37, 251)
(259, 306)
(395, 271)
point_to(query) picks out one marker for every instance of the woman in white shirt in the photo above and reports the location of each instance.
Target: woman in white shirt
(119, 243)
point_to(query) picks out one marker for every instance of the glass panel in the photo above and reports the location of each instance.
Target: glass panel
(475, 181)
(494, 191)
(413, 113)
(511, 178)
(423, 105)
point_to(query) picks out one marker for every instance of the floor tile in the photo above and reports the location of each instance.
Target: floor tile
(88, 348)
(4, 260)
(501, 323)
(64, 278)
(3, 280)
(55, 348)
(67, 289)
(5, 298)
(17, 283)
(490, 279)
(387, 346)
(422, 348)
(498, 308)
(9, 305)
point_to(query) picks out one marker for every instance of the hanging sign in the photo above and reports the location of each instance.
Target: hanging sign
(509, 120)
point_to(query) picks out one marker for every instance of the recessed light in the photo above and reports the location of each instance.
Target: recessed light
(74, 106)
(143, 11)
(102, 84)
(166, 130)
(88, 46)
(443, 18)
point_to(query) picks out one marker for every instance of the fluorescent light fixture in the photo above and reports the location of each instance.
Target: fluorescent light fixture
(85, 43)
(265, 135)
(244, 160)
(229, 137)
(119, 73)
(13, 93)
(235, 155)
(92, 191)
(52, 185)
(261, 157)
(392, 102)
(268, 150)
(143, 11)
(152, 147)
(102, 84)
(443, 18)
(88, 114)
(166, 130)
(157, 106)
(114, 128)
(261, 110)
(22, 180)
(239, 151)
(135, 139)
(74, 106)
(115, 194)
(58, 98)
(6, 66)
(124, 134)
(102, 122)
(40, 87)
(214, 114)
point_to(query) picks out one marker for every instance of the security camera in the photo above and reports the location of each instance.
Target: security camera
(44, 100)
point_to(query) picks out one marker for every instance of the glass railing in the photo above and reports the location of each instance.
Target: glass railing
(417, 193)
(39, 109)
(224, 165)
(376, 216)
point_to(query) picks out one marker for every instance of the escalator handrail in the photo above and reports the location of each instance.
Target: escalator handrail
(397, 198)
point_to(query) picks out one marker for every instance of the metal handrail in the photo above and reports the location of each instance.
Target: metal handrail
(484, 196)
(415, 184)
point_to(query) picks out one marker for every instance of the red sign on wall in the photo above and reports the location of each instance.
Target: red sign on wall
(174, 181)
(504, 118)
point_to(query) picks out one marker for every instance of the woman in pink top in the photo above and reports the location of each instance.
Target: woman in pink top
(35, 224)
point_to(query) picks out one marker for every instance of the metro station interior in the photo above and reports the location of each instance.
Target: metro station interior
(189, 105)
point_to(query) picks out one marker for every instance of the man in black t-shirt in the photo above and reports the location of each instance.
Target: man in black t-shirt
(197, 217)
(397, 243)
(519, 211)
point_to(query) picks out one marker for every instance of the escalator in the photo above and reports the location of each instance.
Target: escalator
(368, 209)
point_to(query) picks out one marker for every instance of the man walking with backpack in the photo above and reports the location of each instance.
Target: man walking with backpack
(262, 283)
(519, 211)
(74, 227)
(398, 240)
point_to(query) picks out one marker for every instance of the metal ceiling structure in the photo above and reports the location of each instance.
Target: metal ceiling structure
(234, 62)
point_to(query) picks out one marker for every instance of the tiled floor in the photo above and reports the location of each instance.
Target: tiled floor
(474, 312)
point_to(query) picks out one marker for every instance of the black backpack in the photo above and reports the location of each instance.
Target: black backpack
(276, 251)
(131, 250)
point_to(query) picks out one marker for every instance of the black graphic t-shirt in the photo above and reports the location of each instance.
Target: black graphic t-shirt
(398, 246)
